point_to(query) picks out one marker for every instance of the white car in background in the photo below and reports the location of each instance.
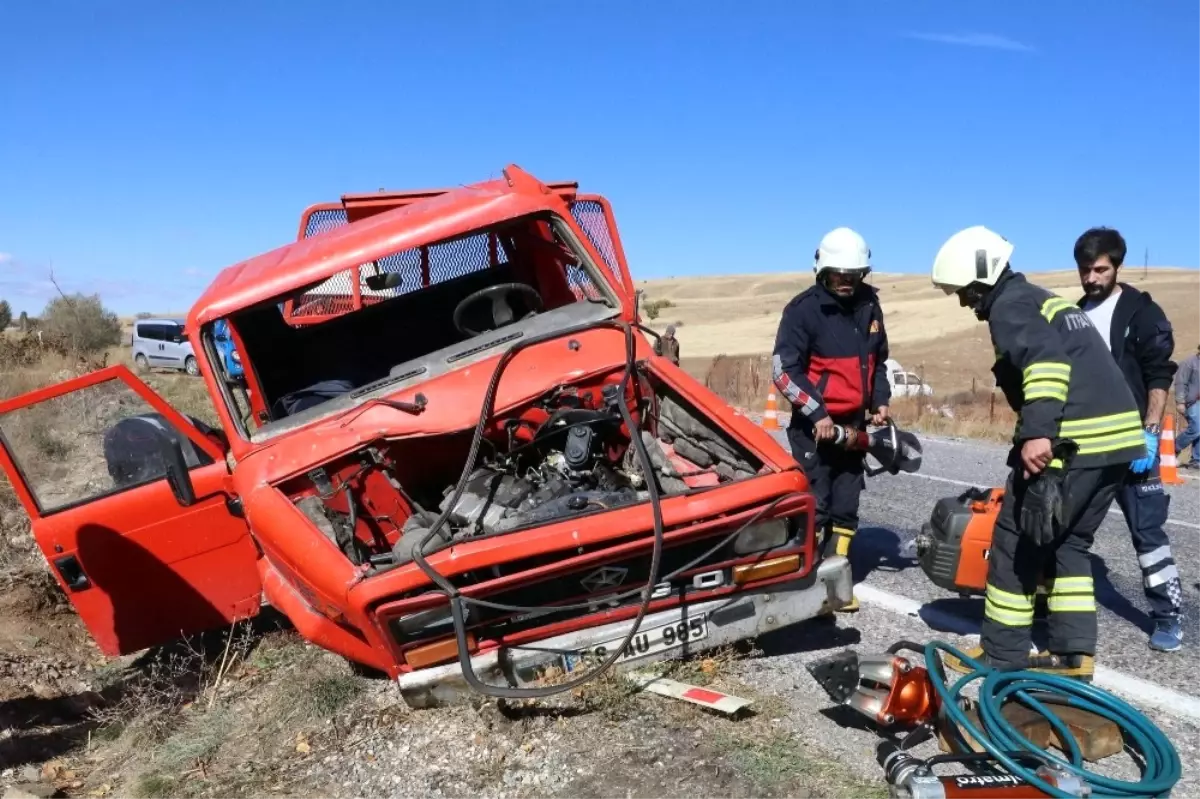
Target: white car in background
(905, 384)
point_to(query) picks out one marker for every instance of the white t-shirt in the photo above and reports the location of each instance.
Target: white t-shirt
(1101, 314)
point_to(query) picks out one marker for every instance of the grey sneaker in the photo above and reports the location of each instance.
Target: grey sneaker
(1168, 635)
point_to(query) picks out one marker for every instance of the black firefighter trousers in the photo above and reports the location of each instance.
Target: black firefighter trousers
(1017, 566)
(837, 478)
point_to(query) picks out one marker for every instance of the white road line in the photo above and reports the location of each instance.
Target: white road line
(939, 479)
(1135, 689)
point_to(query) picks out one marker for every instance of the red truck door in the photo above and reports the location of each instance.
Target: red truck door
(140, 568)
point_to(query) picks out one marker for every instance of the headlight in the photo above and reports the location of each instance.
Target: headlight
(761, 536)
(423, 624)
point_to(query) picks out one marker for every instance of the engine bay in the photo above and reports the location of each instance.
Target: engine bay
(566, 454)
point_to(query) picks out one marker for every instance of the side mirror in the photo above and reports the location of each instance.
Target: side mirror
(177, 474)
(384, 280)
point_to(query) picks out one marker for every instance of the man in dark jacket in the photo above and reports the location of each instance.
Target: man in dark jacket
(1138, 334)
(1078, 429)
(668, 346)
(829, 364)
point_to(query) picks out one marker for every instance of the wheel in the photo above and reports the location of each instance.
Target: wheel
(142, 364)
(190, 366)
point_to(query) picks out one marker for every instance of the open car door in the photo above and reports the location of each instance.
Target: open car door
(84, 458)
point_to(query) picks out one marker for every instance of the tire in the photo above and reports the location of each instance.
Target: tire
(142, 364)
(190, 366)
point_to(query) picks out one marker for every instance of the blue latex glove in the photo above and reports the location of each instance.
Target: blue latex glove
(1142, 465)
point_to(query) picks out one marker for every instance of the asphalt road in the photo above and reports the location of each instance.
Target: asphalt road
(898, 602)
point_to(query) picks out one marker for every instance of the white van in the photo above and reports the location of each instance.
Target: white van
(162, 344)
(905, 384)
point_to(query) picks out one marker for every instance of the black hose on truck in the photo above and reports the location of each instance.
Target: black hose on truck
(457, 601)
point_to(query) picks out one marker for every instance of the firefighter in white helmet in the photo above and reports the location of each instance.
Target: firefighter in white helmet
(828, 362)
(1078, 429)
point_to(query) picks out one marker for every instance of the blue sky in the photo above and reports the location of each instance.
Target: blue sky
(146, 145)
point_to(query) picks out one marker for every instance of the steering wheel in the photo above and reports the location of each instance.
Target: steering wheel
(502, 312)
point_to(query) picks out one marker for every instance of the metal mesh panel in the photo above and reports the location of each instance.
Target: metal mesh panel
(321, 221)
(581, 284)
(446, 262)
(589, 215)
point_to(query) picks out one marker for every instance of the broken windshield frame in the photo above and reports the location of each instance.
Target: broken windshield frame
(464, 353)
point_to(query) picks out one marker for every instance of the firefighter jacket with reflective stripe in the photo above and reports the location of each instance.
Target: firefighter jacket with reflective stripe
(1056, 373)
(829, 355)
(1142, 341)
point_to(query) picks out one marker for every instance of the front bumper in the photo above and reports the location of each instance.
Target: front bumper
(729, 619)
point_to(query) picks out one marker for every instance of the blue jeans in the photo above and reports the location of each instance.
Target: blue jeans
(1191, 433)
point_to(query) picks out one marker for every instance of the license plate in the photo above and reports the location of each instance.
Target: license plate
(647, 641)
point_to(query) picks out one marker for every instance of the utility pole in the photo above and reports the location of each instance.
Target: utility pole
(1146, 263)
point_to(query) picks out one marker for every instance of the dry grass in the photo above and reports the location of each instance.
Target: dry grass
(227, 721)
(985, 415)
(739, 314)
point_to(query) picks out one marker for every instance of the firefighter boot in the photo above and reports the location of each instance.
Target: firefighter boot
(837, 542)
(1082, 667)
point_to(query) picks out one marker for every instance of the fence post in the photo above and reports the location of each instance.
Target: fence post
(972, 387)
(992, 409)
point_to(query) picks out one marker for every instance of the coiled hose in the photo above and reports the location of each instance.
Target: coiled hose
(1160, 761)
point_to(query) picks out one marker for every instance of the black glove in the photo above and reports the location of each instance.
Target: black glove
(1041, 513)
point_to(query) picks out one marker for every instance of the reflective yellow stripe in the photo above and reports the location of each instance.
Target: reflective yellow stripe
(1048, 369)
(1054, 306)
(1102, 434)
(1011, 610)
(1071, 585)
(1015, 601)
(1046, 392)
(1006, 616)
(1072, 595)
(1101, 424)
(1081, 603)
(1056, 463)
(1095, 446)
(843, 530)
(1046, 380)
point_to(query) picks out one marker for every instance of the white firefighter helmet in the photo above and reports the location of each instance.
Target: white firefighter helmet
(842, 250)
(972, 255)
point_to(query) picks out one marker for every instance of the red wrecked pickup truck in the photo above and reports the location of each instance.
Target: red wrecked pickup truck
(453, 457)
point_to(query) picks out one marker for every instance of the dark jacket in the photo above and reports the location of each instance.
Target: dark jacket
(668, 346)
(1142, 341)
(829, 355)
(1056, 374)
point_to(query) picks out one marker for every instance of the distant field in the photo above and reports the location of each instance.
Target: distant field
(739, 314)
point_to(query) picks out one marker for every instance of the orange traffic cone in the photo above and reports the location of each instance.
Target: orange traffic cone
(770, 417)
(1168, 466)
